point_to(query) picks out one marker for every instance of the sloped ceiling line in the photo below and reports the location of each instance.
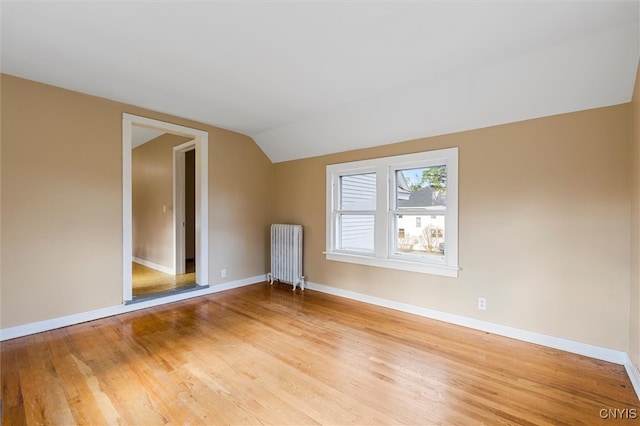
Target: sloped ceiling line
(311, 78)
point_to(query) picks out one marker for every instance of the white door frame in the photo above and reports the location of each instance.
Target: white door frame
(179, 214)
(201, 142)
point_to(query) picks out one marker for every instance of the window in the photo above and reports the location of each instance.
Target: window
(396, 212)
(356, 212)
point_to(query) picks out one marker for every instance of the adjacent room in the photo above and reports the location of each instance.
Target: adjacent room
(158, 269)
(463, 177)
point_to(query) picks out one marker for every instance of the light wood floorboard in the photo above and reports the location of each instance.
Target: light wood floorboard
(147, 281)
(264, 355)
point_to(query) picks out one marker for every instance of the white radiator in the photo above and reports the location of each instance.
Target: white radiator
(286, 255)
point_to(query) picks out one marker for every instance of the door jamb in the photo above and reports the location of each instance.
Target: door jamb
(179, 214)
(201, 141)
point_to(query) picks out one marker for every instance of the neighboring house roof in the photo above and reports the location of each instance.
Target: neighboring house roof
(425, 197)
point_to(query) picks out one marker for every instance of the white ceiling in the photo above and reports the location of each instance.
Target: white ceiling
(310, 78)
(141, 135)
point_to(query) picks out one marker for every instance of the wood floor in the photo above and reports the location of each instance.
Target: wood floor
(264, 355)
(147, 281)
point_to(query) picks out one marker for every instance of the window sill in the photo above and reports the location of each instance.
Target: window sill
(424, 268)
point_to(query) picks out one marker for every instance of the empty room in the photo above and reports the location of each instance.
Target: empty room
(319, 212)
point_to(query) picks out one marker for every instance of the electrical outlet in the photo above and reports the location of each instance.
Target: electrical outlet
(482, 303)
(223, 273)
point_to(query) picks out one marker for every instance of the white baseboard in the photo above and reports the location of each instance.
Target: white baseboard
(40, 326)
(586, 349)
(165, 269)
(634, 375)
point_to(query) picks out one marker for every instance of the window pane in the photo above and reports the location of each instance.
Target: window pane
(358, 192)
(356, 232)
(425, 240)
(421, 188)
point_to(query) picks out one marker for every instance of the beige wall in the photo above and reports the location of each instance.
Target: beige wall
(634, 317)
(152, 199)
(241, 207)
(544, 216)
(61, 177)
(543, 225)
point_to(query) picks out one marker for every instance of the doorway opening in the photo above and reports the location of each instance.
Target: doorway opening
(184, 174)
(189, 261)
(171, 258)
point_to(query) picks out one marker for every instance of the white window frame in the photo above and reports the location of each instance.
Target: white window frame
(384, 230)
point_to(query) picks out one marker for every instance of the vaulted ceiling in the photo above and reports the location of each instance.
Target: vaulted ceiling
(310, 78)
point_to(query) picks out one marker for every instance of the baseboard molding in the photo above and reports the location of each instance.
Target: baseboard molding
(586, 349)
(166, 270)
(65, 321)
(634, 375)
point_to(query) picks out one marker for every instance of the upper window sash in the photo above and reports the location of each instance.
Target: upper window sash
(356, 192)
(412, 165)
(340, 209)
(333, 182)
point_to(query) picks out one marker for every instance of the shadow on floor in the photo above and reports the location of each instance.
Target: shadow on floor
(150, 296)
